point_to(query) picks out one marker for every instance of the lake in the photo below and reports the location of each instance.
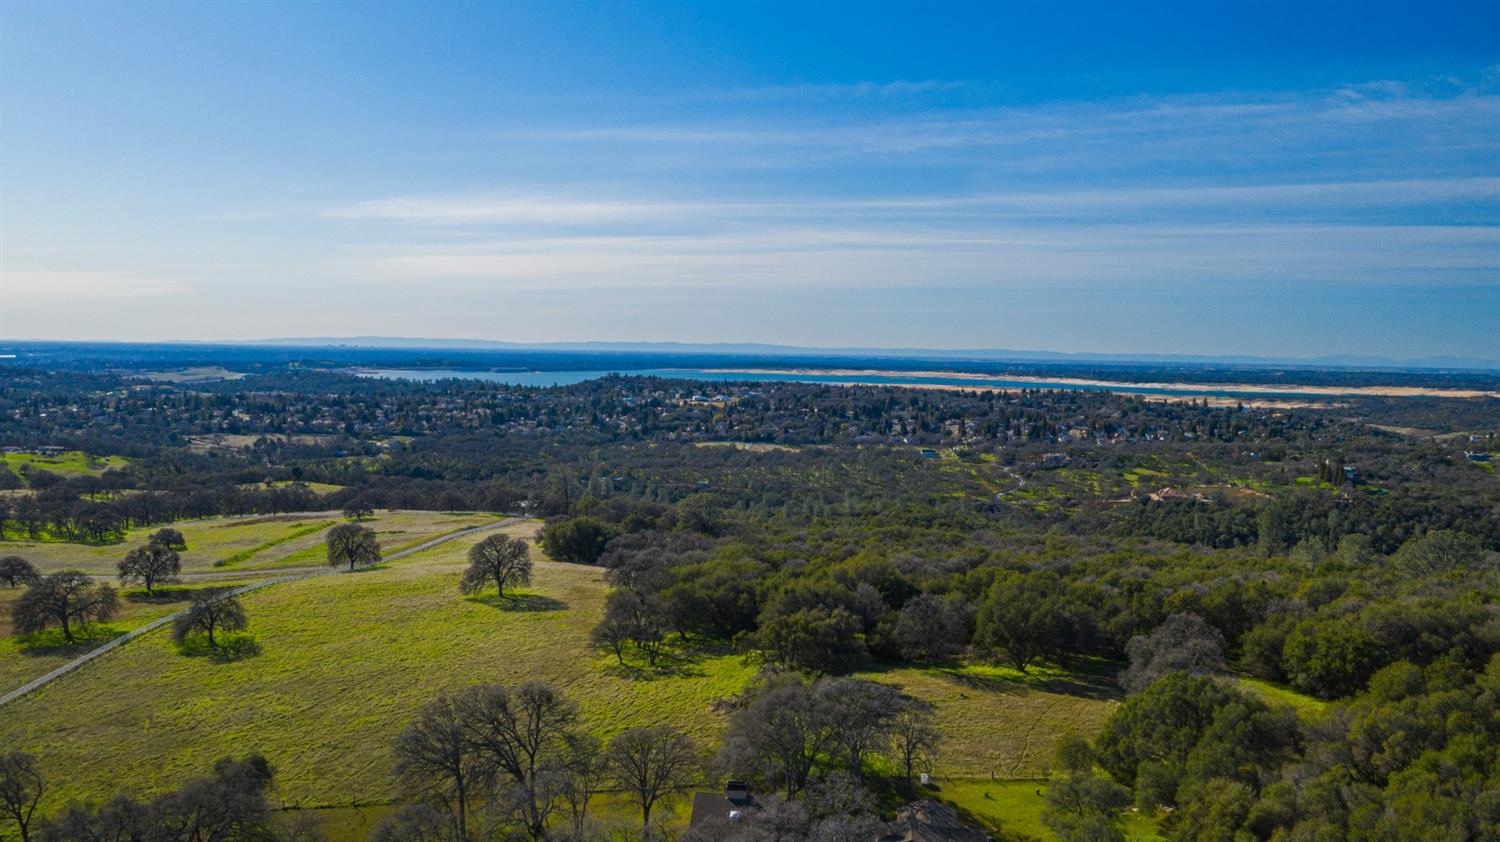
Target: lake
(564, 378)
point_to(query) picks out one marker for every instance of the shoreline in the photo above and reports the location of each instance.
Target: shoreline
(1207, 389)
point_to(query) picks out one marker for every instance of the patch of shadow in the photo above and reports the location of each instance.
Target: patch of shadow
(520, 601)
(663, 668)
(1085, 686)
(985, 683)
(50, 642)
(230, 647)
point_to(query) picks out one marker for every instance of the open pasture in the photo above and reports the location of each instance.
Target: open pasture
(68, 463)
(351, 658)
(247, 542)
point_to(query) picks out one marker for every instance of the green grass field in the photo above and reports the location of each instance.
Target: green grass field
(1036, 707)
(1014, 807)
(71, 463)
(1306, 706)
(351, 658)
(247, 543)
(25, 657)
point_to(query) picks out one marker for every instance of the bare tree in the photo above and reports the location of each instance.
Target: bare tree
(518, 735)
(151, 565)
(16, 571)
(582, 771)
(612, 633)
(500, 559)
(65, 598)
(784, 734)
(865, 711)
(209, 613)
(434, 758)
(352, 544)
(651, 762)
(20, 790)
(914, 737)
(1182, 643)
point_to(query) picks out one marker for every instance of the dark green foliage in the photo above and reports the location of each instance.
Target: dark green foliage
(169, 538)
(1161, 724)
(1028, 617)
(579, 540)
(817, 640)
(718, 598)
(1439, 552)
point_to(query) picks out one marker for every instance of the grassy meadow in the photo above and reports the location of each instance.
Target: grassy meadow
(231, 544)
(25, 657)
(69, 463)
(351, 658)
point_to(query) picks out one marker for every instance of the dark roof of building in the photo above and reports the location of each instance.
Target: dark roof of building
(711, 809)
(930, 821)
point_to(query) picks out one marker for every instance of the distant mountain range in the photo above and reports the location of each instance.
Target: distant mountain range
(976, 354)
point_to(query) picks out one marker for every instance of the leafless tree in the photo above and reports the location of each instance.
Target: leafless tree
(914, 737)
(580, 774)
(518, 736)
(434, 759)
(651, 762)
(20, 790)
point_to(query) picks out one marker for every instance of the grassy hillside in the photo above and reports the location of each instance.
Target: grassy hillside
(244, 542)
(253, 546)
(350, 659)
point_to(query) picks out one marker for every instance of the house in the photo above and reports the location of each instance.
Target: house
(717, 810)
(1477, 455)
(1053, 460)
(930, 821)
(929, 453)
(1351, 474)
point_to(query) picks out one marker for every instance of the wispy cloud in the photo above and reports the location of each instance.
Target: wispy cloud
(1365, 130)
(573, 211)
(802, 257)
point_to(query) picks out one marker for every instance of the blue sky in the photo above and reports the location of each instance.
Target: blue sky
(1259, 178)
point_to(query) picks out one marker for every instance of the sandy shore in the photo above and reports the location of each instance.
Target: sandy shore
(1247, 388)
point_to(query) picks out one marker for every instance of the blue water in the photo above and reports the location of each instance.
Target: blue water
(564, 378)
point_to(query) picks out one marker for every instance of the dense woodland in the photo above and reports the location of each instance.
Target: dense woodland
(823, 529)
